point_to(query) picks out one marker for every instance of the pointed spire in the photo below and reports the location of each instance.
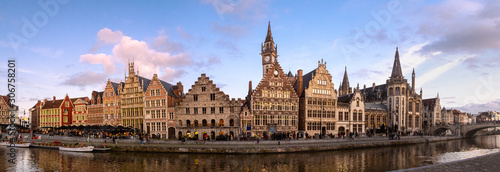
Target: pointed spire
(345, 81)
(396, 68)
(269, 37)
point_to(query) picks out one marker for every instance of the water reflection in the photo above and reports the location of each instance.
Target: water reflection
(373, 159)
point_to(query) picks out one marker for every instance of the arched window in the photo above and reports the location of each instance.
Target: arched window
(188, 123)
(231, 122)
(212, 123)
(195, 123)
(180, 123)
(221, 122)
(204, 122)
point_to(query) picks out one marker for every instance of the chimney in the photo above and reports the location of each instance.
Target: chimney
(249, 87)
(180, 88)
(300, 83)
(54, 98)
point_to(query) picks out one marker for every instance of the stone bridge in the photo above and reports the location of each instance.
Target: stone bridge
(463, 130)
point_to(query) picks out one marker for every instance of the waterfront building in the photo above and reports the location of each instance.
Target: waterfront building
(317, 102)
(132, 99)
(4, 110)
(95, 109)
(432, 111)
(112, 104)
(56, 113)
(35, 115)
(351, 113)
(207, 111)
(273, 103)
(160, 99)
(80, 111)
(447, 116)
(404, 104)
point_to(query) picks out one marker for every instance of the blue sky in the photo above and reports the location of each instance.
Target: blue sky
(74, 47)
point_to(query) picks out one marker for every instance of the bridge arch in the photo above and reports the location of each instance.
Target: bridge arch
(471, 132)
(442, 129)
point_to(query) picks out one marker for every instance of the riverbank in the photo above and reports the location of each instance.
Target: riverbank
(251, 147)
(482, 163)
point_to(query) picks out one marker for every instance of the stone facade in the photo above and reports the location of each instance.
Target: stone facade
(159, 97)
(432, 111)
(318, 102)
(95, 109)
(132, 99)
(375, 118)
(80, 111)
(207, 111)
(351, 113)
(4, 110)
(112, 104)
(404, 104)
(35, 115)
(273, 103)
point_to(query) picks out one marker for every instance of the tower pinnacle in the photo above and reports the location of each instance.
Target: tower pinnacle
(396, 68)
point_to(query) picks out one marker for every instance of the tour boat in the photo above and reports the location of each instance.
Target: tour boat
(78, 149)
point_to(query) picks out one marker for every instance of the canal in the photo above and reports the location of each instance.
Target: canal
(369, 159)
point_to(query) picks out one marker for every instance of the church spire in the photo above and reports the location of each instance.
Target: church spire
(269, 37)
(345, 84)
(396, 68)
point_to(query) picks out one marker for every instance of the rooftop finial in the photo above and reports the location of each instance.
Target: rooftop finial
(269, 37)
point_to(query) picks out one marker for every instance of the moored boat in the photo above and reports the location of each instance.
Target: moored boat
(77, 149)
(19, 144)
(22, 145)
(101, 149)
(44, 146)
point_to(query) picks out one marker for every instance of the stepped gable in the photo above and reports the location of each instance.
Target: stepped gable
(211, 82)
(167, 86)
(269, 75)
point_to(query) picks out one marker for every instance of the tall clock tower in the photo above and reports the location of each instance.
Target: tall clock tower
(268, 51)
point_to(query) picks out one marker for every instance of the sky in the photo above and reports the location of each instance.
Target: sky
(73, 47)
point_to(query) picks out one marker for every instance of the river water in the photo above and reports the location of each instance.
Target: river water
(369, 159)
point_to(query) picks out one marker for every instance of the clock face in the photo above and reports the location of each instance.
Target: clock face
(268, 58)
(275, 73)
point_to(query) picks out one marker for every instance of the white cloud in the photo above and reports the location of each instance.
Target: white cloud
(147, 60)
(437, 72)
(109, 37)
(106, 60)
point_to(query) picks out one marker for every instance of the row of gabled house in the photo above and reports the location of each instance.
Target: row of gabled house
(297, 105)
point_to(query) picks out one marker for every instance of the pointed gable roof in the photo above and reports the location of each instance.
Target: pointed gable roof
(345, 81)
(396, 68)
(144, 82)
(269, 37)
(115, 87)
(287, 86)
